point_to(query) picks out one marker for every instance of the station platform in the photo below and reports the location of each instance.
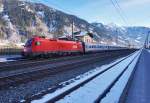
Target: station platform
(139, 91)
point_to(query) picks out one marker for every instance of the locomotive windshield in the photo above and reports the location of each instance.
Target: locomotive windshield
(29, 42)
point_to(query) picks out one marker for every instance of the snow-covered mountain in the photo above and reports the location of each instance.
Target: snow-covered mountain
(19, 20)
(132, 35)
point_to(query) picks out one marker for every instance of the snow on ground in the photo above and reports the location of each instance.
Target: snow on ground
(7, 58)
(47, 97)
(4, 43)
(20, 45)
(92, 90)
(116, 91)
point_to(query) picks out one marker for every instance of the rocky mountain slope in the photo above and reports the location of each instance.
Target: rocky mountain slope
(20, 20)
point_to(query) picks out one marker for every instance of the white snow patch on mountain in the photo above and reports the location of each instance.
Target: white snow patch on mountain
(138, 38)
(67, 30)
(11, 29)
(41, 14)
(53, 10)
(1, 8)
(29, 9)
(22, 4)
(83, 26)
(114, 43)
(137, 41)
(8, 22)
(52, 27)
(6, 18)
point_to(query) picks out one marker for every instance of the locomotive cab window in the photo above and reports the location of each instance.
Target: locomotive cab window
(37, 43)
(29, 42)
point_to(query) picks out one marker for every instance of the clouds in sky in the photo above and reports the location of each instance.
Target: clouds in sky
(134, 3)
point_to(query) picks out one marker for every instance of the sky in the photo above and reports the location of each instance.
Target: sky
(135, 12)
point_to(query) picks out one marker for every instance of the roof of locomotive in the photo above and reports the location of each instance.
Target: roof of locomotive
(52, 39)
(43, 37)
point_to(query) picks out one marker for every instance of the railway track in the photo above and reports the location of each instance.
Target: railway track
(31, 63)
(73, 91)
(34, 73)
(14, 65)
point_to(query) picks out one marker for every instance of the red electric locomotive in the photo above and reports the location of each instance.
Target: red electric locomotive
(41, 46)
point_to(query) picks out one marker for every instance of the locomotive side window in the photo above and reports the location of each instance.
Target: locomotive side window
(37, 43)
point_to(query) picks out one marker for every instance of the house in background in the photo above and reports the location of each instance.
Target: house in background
(86, 37)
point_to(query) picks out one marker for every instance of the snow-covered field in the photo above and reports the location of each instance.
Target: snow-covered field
(7, 58)
(91, 91)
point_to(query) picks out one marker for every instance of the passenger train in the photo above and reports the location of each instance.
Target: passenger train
(41, 46)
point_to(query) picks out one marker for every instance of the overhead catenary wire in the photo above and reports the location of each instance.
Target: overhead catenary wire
(124, 14)
(119, 11)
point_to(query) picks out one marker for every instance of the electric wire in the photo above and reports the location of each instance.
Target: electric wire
(119, 11)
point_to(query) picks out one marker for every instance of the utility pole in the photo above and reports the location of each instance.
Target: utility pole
(146, 44)
(116, 36)
(128, 44)
(148, 40)
(72, 29)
